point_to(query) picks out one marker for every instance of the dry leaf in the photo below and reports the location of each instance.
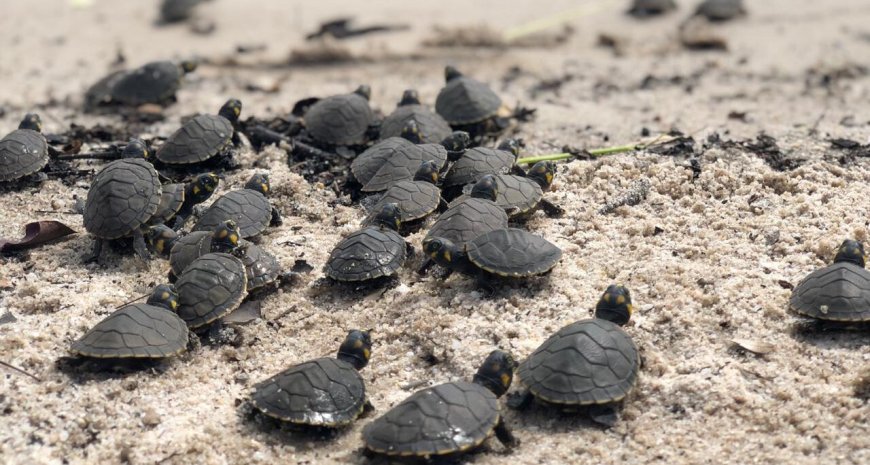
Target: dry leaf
(246, 313)
(753, 345)
(36, 233)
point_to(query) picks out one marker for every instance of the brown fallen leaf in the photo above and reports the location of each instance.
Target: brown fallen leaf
(246, 313)
(753, 345)
(36, 233)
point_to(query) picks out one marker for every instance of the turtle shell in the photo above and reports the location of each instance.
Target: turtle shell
(177, 10)
(651, 7)
(443, 419)
(513, 252)
(250, 209)
(135, 331)
(367, 254)
(123, 196)
(340, 119)
(469, 219)
(516, 194)
(403, 165)
(321, 392)
(150, 83)
(476, 163)
(433, 128)
(22, 153)
(721, 10)
(171, 200)
(839, 292)
(261, 267)
(587, 362)
(210, 288)
(187, 249)
(201, 138)
(415, 199)
(366, 165)
(465, 100)
(101, 92)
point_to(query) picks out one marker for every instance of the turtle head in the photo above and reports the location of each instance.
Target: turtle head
(260, 183)
(486, 188)
(428, 172)
(231, 110)
(850, 251)
(164, 295)
(188, 66)
(543, 172)
(409, 97)
(614, 305)
(31, 121)
(442, 251)
(364, 91)
(136, 148)
(497, 372)
(202, 187)
(356, 348)
(160, 239)
(451, 73)
(225, 237)
(411, 132)
(389, 216)
(456, 142)
(510, 145)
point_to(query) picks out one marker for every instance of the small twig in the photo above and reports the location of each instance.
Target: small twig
(661, 139)
(15, 368)
(555, 20)
(49, 212)
(633, 196)
(413, 385)
(131, 301)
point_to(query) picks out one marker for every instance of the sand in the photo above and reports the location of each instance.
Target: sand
(708, 260)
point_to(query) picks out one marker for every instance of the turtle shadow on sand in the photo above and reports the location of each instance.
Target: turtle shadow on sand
(302, 438)
(82, 370)
(831, 335)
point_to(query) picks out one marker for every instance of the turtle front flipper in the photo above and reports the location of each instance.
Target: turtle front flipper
(95, 252)
(276, 219)
(551, 209)
(521, 400)
(139, 245)
(504, 434)
(603, 414)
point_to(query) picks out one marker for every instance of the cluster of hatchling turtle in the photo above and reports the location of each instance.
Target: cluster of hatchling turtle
(416, 169)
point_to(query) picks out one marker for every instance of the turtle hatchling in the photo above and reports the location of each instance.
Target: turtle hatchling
(24, 151)
(155, 82)
(478, 162)
(341, 120)
(721, 10)
(324, 392)
(433, 128)
(144, 331)
(447, 419)
(521, 196)
(839, 292)
(476, 215)
(471, 105)
(211, 287)
(591, 363)
(248, 207)
(647, 8)
(177, 200)
(374, 252)
(416, 199)
(204, 138)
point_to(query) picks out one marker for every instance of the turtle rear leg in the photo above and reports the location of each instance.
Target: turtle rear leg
(504, 435)
(520, 400)
(604, 414)
(424, 268)
(139, 245)
(551, 209)
(95, 252)
(276, 218)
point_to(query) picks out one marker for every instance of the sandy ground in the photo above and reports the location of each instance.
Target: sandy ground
(707, 261)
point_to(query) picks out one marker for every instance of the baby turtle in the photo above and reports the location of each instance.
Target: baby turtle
(447, 419)
(324, 392)
(100, 93)
(509, 253)
(433, 128)
(145, 331)
(341, 120)
(374, 252)
(647, 8)
(469, 105)
(839, 292)
(177, 200)
(588, 363)
(521, 196)
(123, 197)
(211, 287)
(204, 138)
(476, 215)
(24, 151)
(248, 207)
(160, 239)
(155, 82)
(416, 199)
(173, 11)
(478, 162)
(721, 10)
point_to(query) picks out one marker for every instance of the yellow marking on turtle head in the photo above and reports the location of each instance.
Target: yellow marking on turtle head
(357, 344)
(165, 295)
(196, 189)
(620, 300)
(234, 238)
(223, 233)
(367, 353)
(505, 380)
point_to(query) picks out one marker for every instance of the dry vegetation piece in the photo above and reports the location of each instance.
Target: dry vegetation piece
(635, 193)
(613, 42)
(754, 345)
(325, 51)
(246, 313)
(340, 28)
(696, 34)
(484, 36)
(36, 233)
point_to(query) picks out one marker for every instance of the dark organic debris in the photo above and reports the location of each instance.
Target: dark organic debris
(341, 29)
(766, 148)
(301, 266)
(322, 52)
(36, 233)
(7, 317)
(635, 193)
(553, 85)
(678, 146)
(853, 149)
(696, 34)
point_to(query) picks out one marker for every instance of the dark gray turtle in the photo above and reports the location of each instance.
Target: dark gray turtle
(463, 100)
(374, 252)
(416, 199)
(521, 196)
(24, 151)
(161, 239)
(433, 128)
(147, 331)
(177, 200)
(476, 215)
(446, 419)
(101, 92)
(123, 197)
(478, 162)
(839, 292)
(155, 82)
(173, 11)
(203, 138)
(185, 249)
(591, 362)
(341, 119)
(211, 287)
(721, 10)
(325, 392)
(508, 253)
(646, 8)
(366, 164)
(248, 207)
